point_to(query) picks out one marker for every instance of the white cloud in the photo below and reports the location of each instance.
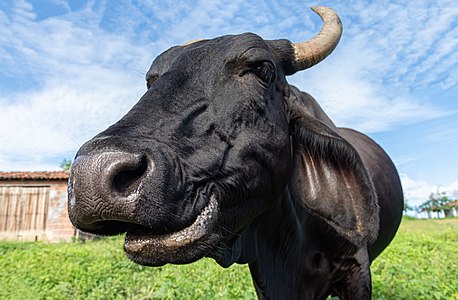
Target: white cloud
(417, 191)
(62, 3)
(416, 40)
(349, 87)
(64, 114)
(88, 80)
(388, 49)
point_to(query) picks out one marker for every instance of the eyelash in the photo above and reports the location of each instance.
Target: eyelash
(265, 71)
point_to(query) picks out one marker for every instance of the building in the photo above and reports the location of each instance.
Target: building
(447, 210)
(33, 206)
(452, 210)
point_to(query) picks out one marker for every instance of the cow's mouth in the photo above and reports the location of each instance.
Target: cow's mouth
(146, 248)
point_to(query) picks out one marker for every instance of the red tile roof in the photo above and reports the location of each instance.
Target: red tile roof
(45, 175)
(452, 203)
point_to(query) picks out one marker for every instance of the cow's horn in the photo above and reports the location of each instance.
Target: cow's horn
(192, 42)
(311, 52)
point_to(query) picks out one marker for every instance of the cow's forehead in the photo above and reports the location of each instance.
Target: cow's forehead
(209, 51)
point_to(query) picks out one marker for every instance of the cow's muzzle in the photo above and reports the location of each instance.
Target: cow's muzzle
(112, 192)
(104, 189)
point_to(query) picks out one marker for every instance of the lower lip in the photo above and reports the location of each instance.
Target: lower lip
(136, 244)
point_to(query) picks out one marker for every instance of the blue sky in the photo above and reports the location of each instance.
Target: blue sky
(68, 69)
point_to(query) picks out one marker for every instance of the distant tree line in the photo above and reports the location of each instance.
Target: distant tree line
(438, 202)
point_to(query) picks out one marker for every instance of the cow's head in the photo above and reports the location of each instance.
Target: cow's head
(205, 151)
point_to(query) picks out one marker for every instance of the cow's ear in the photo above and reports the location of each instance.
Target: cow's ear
(329, 178)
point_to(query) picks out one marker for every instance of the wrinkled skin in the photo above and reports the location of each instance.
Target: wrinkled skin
(222, 158)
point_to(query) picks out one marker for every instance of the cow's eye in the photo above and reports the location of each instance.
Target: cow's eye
(265, 71)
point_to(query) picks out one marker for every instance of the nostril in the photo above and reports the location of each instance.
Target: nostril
(127, 180)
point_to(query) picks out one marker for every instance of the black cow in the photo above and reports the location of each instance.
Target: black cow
(222, 158)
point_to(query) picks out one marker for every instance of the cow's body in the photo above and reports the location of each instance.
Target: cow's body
(222, 158)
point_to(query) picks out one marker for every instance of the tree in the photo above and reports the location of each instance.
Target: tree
(407, 207)
(426, 206)
(437, 202)
(65, 164)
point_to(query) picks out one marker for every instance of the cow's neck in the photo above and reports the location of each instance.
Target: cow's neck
(278, 238)
(291, 260)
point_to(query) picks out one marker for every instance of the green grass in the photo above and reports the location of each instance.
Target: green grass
(421, 263)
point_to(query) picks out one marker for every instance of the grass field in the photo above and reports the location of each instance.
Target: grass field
(421, 263)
